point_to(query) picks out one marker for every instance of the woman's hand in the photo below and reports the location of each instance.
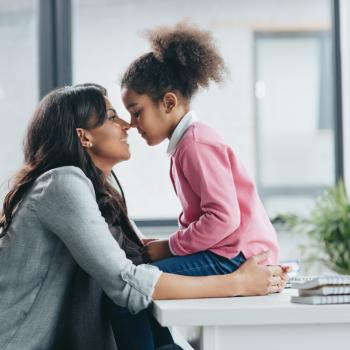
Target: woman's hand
(251, 278)
(156, 250)
(256, 279)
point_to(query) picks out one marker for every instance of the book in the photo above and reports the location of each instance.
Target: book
(294, 281)
(321, 299)
(325, 290)
(320, 281)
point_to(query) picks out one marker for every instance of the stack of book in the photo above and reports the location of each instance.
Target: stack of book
(323, 290)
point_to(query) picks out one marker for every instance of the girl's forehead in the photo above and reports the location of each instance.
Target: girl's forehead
(129, 94)
(133, 99)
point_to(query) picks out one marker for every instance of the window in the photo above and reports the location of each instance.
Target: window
(106, 39)
(294, 118)
(19, 80)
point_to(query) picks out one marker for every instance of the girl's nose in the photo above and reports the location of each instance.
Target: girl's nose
(133, 122)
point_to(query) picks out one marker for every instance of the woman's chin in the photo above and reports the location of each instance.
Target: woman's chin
(122, 157)
(127, 155)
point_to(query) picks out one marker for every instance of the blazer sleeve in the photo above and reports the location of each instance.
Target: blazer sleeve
(66, 205)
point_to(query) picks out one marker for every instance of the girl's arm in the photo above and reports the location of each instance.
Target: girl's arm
(208, 177)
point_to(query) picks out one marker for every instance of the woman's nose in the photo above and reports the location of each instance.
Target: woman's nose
(125, 125)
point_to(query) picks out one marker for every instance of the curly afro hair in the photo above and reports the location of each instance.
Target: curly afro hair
(183, 59)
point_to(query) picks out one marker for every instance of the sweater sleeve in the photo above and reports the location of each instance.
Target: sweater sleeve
(207, 169)
(66, 205)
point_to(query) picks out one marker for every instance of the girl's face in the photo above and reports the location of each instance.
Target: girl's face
(150, 118)
(107, 144)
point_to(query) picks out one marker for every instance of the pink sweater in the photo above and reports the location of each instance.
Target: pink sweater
(222, 211)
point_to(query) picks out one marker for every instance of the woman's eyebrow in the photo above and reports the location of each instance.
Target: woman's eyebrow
(113, 110)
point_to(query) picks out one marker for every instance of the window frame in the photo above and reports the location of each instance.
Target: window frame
(55, 70)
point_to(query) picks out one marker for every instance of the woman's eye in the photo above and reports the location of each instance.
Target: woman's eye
(113, 118)
(137, 114)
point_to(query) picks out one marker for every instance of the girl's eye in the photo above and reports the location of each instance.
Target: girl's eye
(137, 114)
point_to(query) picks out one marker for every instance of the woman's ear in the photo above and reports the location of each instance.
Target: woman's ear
(84, 137)
(170, 101)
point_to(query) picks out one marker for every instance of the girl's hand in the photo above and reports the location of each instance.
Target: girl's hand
(156, 250)
(147, 240)
(255, 279)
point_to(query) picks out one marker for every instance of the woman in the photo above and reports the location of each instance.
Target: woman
(57, 252)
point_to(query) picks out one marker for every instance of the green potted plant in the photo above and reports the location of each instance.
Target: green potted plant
(328, 227)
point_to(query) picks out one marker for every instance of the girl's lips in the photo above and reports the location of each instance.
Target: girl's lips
(142, 133)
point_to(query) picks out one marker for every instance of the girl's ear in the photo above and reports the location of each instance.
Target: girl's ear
(170, 101)
(84, 137)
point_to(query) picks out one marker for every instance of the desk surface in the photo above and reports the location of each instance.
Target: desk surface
(258, 310)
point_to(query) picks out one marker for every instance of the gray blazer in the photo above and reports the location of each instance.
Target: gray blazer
(57, 228)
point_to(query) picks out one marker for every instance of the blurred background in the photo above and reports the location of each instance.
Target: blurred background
(279, 109)
(285, 109)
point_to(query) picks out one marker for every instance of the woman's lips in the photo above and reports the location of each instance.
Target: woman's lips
(124, 140)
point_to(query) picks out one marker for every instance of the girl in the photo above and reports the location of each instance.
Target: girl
(58, 253)
(223, 221)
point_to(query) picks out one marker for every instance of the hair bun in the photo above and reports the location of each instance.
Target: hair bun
(184, 58)
(190, 48)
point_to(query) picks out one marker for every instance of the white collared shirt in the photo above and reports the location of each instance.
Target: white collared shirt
(188, 119)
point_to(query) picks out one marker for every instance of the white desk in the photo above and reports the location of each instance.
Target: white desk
(269, 322)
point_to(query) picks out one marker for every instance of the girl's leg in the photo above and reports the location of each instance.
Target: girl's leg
(137, 332)
(130, 331)
(200, 264)
(142, 331)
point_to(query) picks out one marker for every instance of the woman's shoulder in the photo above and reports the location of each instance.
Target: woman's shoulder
(61, 180)
(62, 174)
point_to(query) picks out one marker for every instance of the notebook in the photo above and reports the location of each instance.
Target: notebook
(323, 281)
(321, 299)
(294, 281)
(325, 290)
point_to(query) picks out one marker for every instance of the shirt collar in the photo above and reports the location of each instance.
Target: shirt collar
(188, 119)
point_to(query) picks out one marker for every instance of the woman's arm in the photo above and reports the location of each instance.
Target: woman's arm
(65, 204)
(250, 279)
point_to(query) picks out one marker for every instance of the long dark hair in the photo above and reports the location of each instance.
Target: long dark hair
(51, 142)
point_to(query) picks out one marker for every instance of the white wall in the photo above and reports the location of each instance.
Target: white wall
(106, 40)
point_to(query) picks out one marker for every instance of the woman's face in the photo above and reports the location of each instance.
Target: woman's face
(109, 141)
(148, 117)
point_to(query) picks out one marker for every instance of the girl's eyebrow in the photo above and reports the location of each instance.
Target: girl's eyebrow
(132, 104)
